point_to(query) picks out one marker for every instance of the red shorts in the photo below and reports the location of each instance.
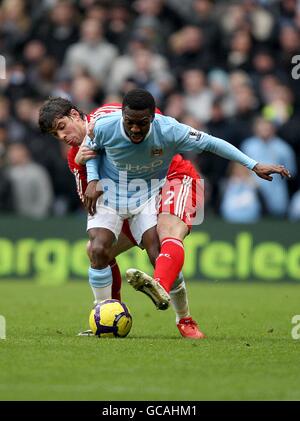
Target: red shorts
(182, 194)
(127, 232)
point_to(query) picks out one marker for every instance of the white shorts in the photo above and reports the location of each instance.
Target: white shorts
(140, 220)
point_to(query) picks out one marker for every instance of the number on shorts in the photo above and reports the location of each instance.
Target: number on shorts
(169, 200)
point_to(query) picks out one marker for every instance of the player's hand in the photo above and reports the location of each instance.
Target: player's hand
(265, 170)
(84, 154)
(91, 195)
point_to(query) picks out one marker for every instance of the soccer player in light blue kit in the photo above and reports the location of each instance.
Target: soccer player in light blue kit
(137, 148)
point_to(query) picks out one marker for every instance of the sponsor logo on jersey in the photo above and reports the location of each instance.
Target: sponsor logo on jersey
(137, 168)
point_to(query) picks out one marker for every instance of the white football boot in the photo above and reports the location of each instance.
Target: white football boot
(149, 286)
(87, 332)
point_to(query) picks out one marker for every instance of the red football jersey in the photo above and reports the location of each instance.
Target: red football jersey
(79, 171)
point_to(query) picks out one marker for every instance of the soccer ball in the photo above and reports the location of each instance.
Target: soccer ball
(110, 318)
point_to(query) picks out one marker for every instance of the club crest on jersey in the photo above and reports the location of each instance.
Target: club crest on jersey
(156, 152)
(93, 145)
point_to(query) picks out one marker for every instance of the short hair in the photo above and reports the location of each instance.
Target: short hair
(139, 99)
(53, 109)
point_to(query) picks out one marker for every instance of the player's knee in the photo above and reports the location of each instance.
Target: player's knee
(88, 249)
(178, 230)
(99, 254)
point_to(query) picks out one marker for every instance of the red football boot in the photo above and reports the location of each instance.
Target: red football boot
(189, 328)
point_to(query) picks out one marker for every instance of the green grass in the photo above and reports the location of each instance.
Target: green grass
(249, 353)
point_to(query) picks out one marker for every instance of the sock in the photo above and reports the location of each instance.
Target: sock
(116, 280)
(179, 300)
(169, 262)
(100, 281)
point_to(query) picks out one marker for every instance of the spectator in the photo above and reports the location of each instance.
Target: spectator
(31, 186)
(58, 29)
(218, 82)
(215, 167)
(240, 202)
(84, 92)
(246, 106)
(6, 202)
(197, 96)
(119, 21)
(14, 129)
(91, 45)
(239, 55)
(205, 17)
(265, 146)
(143, 76)
(175, 106)
(15, 26)
(188, 50)
(280, 108)
(208, 63)
(289, 40)
(124, 65)
(156, 21)
(294, 209)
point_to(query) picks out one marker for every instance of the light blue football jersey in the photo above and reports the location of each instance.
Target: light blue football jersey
(134, 172)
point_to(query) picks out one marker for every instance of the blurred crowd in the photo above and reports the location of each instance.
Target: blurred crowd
(224, 67)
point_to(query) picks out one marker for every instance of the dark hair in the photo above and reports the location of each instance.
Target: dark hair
(139, 99)
(53, 109)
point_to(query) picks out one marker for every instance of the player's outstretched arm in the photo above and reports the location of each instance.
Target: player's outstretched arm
(199, 141)
(265, 170)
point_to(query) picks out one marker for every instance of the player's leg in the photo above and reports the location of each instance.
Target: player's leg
(186, 325)
(171, 231)
(143, 229)
(116, 280)
(103, 230)
(123, 244)
(149, 238)
(100, 273)
(144, 283)
(179, 299)
(178, 201)
(173, 226)
(150, 243)
(181, 199)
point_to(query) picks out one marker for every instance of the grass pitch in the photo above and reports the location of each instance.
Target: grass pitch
(249, 353)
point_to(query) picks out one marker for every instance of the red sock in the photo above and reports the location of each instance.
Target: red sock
(117, 280)
(169, 262)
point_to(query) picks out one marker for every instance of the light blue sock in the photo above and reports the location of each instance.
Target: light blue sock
(100, 281)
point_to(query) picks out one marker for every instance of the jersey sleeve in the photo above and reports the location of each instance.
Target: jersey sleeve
(95, 144)
(79, 172)
(92, 169)
(196, 141)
